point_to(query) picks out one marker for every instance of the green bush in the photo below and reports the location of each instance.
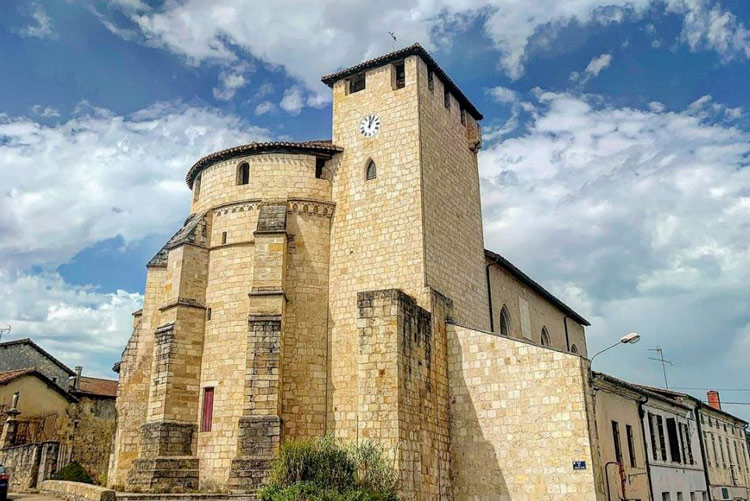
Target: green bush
(73, 472)
(326, 470)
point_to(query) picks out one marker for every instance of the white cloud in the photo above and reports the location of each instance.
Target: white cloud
(229, 82)
(708, 26)
(592, 70)
(503, 94)
(310, 38)
(70, 185)
(46, 112)
(80, 325)
(99, 175)
(43, 24)
(264, 107)
(292, 102)
(638, 217)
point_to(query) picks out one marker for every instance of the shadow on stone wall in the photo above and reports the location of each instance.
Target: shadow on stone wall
(475, 470)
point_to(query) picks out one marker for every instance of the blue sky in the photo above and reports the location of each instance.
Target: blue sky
(614, 170)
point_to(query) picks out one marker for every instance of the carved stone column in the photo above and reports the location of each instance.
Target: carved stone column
(10, 428)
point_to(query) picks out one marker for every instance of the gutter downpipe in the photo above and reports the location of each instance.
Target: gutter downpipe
(567, 339)
(642, 414)
(489, 295)
(703, 449)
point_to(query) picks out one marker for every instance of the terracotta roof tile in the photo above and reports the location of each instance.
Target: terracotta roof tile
(324, 146)
(98, 387)
(8, 376)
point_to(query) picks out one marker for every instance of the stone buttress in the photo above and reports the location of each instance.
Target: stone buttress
(167, 460)
(259, 434)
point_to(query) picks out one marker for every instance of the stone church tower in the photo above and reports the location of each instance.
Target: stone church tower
(315, 288)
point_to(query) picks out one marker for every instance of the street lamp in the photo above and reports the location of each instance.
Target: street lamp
(631, 338)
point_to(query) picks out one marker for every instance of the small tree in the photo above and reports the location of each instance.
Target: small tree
(74, 472)
(327, 470)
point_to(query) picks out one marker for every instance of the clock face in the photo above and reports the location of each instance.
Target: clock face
(370, 125)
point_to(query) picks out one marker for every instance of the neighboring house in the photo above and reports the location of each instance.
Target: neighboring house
(55, 405)
(621, 441)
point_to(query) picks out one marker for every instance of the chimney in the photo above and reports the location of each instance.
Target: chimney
(713, 399)
(77, 383)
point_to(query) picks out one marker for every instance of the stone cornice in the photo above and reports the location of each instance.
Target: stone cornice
(183, 301)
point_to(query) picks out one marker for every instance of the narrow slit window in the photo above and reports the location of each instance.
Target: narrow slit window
(463, 116)
(430, 80)
(447, 99)
(196, 188)
(320, 163)
(208, 409)
(357, 83)
(631, 445)
(224, 237)
(243, 173)
(208, 314)
(616, 439)
(400, 75)
(372, 171)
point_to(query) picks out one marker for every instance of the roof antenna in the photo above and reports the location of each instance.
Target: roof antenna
(662, 362)
(394, 40)
(4, 331)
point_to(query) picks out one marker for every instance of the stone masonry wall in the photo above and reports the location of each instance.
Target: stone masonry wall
(453, 239)
(402, 401)
(376, 233)
(520, 416)
(135, 379)
(29, 464)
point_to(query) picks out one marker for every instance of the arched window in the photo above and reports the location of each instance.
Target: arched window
(573, 349)
(243, 173)
(545, 337)
(371, 172)
(504, 322)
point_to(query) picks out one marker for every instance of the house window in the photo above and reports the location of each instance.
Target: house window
(371, 172)
(319, 164)
(462, 112)
(652, 430)
(400, 75)
(243, 173)
(504, 322)
(665, 496)
(616, 438)
(208, 409)
(196, 188)
(430, 80)
(680, 497)
(631, 445)
(545, 337)
(662, 443)
(574, 349)
(723, 456)
(674, 440)
(357, 83)
(689, 442)
(447, 99)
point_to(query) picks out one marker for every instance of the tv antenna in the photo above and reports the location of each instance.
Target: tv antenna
(662, 361)
(5, 330)
(394, 39)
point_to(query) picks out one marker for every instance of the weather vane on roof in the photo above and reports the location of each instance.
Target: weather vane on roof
(394, 39)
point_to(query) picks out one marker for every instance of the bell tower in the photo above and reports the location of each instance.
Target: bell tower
(407, 249)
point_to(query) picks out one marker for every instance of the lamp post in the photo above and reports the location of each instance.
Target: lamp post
(631, 338)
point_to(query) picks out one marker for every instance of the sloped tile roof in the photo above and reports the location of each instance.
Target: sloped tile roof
(98, 387)
(8, 376)
(324, 146)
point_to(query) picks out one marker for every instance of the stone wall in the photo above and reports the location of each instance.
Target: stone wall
(529, 312)
(452, 212)
(402, 400)
(17, 355)
(76, 491)
(29, 464)
(520, 416)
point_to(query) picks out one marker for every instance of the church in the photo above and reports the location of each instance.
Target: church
(342, 287)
